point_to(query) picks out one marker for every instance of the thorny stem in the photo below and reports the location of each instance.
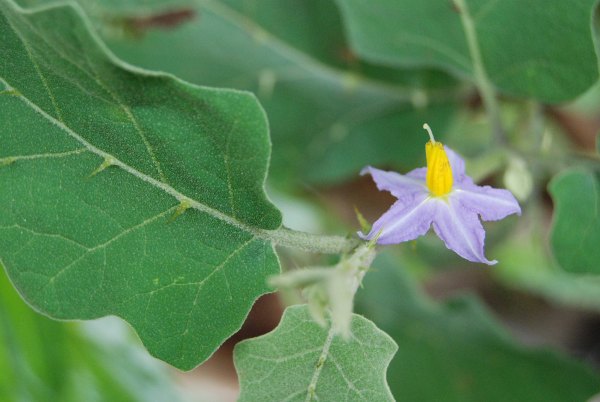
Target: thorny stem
(486, 89)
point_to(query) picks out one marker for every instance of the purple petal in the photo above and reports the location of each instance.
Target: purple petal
(460, 229)
(418, 174)
(457, 164)
(403, 221)
(491, 204)
(401, 186)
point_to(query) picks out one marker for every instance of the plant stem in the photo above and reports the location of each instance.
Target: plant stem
(312, 242)
(486, 89)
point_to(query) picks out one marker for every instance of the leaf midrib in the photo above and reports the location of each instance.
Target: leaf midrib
(192, 203)
(311, 390)
(277, 236)
(94, 76)
(59, 122)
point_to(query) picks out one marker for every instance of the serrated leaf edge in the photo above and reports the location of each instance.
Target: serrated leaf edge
(325, 350)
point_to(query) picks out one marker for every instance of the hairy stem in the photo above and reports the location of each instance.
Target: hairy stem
(484, 85)
(311, 242)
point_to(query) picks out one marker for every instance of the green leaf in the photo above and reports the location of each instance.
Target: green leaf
(46, 361)
(576, 227)
(527, 265)
(329, 116)
(455, 351)
(128, 192)
(302, 361)
(542, 50)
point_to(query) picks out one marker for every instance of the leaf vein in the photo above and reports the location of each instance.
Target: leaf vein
(136, 125)
(265, 234)
(56, 155)
(228, 169)
(201, 283)
(38, 233)
(350, 384)
(108, 242)
(38, 71)
(285, 358)
(311, 392)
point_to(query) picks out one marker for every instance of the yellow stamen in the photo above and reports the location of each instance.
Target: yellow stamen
(439, 172)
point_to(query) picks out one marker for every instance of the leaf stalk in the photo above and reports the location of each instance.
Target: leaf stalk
(315, 243)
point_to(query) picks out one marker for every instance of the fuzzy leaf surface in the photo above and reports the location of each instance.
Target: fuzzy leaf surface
(302, 361)
(323, 103)
(80, 241)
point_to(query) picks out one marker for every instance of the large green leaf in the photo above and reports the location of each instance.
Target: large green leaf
(302, 361)
(538, 49)
(79, 241)
(47, 361)
(329, 116)
(576, 227)
(455, 351)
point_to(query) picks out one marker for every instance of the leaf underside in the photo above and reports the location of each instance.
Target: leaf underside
(302, 361)
(82, 239)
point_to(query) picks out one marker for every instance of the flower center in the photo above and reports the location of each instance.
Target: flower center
(439, 172)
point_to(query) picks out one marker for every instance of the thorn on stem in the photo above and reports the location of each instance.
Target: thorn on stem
(107, 163)
(6, 161)
(183, 206)
(10, 92)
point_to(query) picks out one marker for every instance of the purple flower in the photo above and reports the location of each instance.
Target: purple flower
(443, 196)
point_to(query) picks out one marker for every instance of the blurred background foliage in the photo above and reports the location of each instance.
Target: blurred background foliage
(459, 347)
(339, 94)
(45, 360)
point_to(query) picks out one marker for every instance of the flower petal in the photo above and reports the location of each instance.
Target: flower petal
(457, 164)
(460, 229)
(418, 174)
(491, 204)
(403, 221)
(401, 186)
